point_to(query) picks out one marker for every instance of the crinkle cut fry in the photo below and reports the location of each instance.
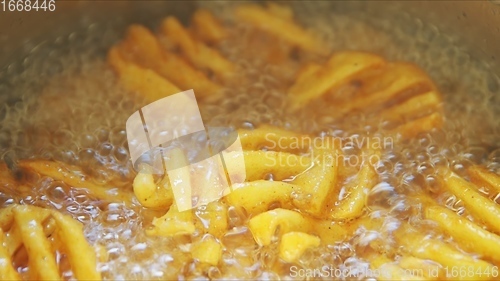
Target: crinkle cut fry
(73, 176)
(319, 179)
(424, 247)
(143, 48)
(357, 189)
(42, 262)
(281, 165)
(264, 225)
(413, 107)
(418, 126)
(387, 84)
(81, 255)
(318, 183)
(206, 27)
(144, 81)
(479, 206)
(339, 69)
(472, 236)
(14, 241)
(272, 138)
(294, 244)
(256, 196)
(196, 52)
(7, 271)
(29, 224)
(394, 91)
(150, 194)
(484, 178)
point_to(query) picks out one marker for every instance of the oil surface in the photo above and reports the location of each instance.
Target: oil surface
(67, 105)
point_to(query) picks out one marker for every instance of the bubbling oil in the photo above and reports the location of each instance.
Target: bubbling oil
(65, 104)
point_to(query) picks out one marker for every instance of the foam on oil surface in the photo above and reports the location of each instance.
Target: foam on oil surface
(65, 104)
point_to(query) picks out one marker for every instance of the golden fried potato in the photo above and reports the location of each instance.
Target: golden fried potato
(469, 235)
(275, 139)
(339, 69)
(143, 48)
(150, 194)
(318, 184)
(144, 81)
(357, 191)
(257, 196)
(423, 247)
(212, 218)
(483, 209)
(413, 107)
(74, 176)
(206, 27)
(418, 126)
(31, 227)
(207, 251)
(173, 223)
(264, 226)
(200, 55)
(484, 178)
(388, 84)
(294, 244)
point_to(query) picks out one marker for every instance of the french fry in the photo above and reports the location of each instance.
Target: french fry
(207, 251)
(421, 125)
(144, 81)
(357, 192)
(81, 255)
(469, 235)
(294, 244)
(423, 247)
(319, 181)
(332, 232)
(213, 218)
(273, 138)
(6, 217)
(387, 85)
(200, 55)
(423, 103)
(307, 72)
(266, 20)
(73, 176)
(378, 83)
(256, 196)
(7, 271)
(143, 48)
(482, 177)
(14, 241)
(479, 206)
(42, 261)
(173, 223)
(180, 180)
(29, 228)
(151, 195)
(339, 69)
(264, 225)
(281, 165)
(206, 27)
(316, 178)
(425, 267)
(389, 270)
